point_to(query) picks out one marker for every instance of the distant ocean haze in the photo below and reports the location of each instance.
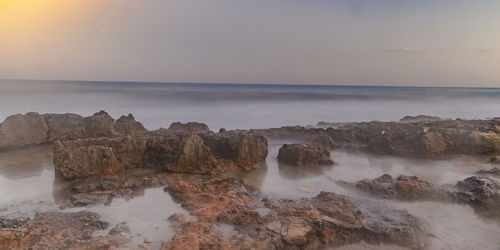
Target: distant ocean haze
(245, 106)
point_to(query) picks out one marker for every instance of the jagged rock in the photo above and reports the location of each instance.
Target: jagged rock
(99, 156)
(402, 188)
(190, 127)
(127, 125)
(21, 130)
(245, 149)
(482, 193)
(101, 124)
(195, 157)
(486, 143)
(321, 140)
(304, 155)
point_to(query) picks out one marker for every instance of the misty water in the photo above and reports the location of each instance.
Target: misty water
(27, 176)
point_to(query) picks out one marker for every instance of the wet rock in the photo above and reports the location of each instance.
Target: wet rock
(195, 235)
(120, 229)
(195, 157)
(97, 157)
(304, 155)
(493, 171)
(244, 149)
(420, 118)
(321, 140)
(190, 127)
(480, 192)
(148, 240)
(486, 143)
(57, 230)
(127, 125)
(402, 188)
(21, 130)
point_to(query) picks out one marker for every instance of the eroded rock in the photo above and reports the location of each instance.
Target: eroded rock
(21, 130)
(321, 140)
(482, 193)
(190, 127)
(304, 155)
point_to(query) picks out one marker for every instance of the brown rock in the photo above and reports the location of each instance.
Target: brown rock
(304, 155)
(321, 140)
(482, 193)
(99, 125)
(21, 130)
(99, 156)
(493, 171)
(190, 127)
(128, 126)
(65, 126)
(195, 157)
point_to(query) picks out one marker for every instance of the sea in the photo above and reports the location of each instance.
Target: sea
(245, 106)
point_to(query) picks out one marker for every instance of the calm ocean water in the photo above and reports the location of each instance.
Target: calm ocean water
(244, 106)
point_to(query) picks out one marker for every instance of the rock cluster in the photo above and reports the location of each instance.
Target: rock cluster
(173, 151)
(482, 193)
(35, 129)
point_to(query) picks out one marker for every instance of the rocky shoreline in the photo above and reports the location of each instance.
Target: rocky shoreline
(99, 159)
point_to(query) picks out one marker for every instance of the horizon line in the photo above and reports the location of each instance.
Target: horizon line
(243, 83)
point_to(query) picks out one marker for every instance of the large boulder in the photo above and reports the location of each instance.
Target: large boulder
(245, 149)
(97, 157)
(304, 155)
(21, 130)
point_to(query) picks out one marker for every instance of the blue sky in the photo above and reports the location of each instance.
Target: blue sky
(418, 43)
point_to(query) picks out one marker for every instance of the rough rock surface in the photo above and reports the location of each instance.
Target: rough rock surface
(322, 140)
(175, 152)
(480, 192)
(402, 188)
(190, 127)
(34, 129)
(96, 157)
(304, 155)
(19, 130)
(127, 125)
(57, 230)
(420, 118)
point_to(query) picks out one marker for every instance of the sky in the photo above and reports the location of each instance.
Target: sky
(345, 42)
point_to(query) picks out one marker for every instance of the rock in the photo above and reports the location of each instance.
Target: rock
(420, 118)
(402, 188)
(148, 240)
(58, 230)
(321, 140)
(127, 125)
(21, 130)
(245, 149)
(493, 171)
(120, 229)
(480, 192)
(97, 157)
(190, 127)
(65, 126)
(486, 143)
(304, 155)
(306, 188)
(101, 124)
(195, 157)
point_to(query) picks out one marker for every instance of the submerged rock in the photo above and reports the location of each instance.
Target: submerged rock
(420, 118)
(304, 155)
(402, 188)
(480, 192)
(493, 171)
